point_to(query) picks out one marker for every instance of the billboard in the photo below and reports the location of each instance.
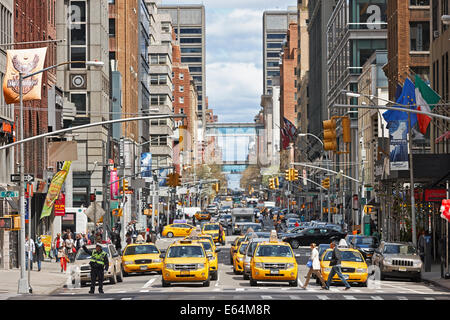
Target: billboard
(398, 155)
(146, 165)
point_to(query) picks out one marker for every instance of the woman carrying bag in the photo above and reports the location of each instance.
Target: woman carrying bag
(314, 267)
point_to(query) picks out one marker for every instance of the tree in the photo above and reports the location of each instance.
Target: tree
(251, 177)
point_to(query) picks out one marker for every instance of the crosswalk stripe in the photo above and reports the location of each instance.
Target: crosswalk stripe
(402, 298)
(350, 297)
(149, 283)
(377, 298)
(429, 298)
(295, 298)
(322, 297)
(266, 297)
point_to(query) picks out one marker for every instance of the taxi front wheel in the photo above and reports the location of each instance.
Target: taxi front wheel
(253, 283)
(206, 283)
(165, 283)
(170, 235)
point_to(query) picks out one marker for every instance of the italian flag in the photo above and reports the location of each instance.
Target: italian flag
(426, 98)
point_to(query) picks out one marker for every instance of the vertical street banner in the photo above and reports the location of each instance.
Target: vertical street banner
(114, 184)
(398, 155)
(60, 205)
(23, 61)
(54, 189)
(146, 165)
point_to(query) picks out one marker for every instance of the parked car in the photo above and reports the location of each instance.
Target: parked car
(313, 235)
(114, 272)
(364, 244)
(395, 259)
(291, 222)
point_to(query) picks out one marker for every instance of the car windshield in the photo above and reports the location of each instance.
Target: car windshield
(273, 251)
(365, 241)
(242, 248)
(227, 216)
(211, 227)
(83, 255)
(206, 245)
(346, 256)
(144, 249)
(255, 227)
(251, 249)
(399, 249)
(243, 219)
(185, 252)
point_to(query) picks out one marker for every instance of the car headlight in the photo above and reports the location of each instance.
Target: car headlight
(129, 262)
(259, 265)
(361, 270)
(417, 264)
(170, 266)
(156, 260)
(327, 269)
(387, 261)
(211, 257)
(200, 265)
(289, 265)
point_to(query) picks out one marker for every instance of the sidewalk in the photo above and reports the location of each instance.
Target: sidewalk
(42, 282)
(434, 277)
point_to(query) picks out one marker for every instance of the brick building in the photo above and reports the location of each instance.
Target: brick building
(408, 41)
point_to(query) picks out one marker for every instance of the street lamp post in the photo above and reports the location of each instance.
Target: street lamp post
(24, 284)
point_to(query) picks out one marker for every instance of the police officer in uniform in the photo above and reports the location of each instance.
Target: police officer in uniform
(99, 262)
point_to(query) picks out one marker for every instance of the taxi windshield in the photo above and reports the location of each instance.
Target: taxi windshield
(207, 245)
(273, 251)
(351, 256)
(185, 252)
(144, 249)
(210, 227)
(242, 248)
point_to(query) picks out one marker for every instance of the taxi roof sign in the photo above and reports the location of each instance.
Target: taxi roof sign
(273, 236)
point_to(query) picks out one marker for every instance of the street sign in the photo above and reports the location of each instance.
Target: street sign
(26, 178)
(9, 194)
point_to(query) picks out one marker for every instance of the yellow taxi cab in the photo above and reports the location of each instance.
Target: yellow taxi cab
(177, 230)
(208, 237)
(213, 230)
(238, 259)
(273, 260)
(234, 247)
(202, 215)
(353, 266)
(211, 252)
(185, 261)
(141, 257)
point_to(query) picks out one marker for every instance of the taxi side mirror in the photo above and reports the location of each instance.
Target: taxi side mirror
(297, 255)
(217, 250)
(162, 255)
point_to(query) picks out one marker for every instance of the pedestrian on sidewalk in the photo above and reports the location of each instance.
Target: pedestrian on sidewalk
(99, 263)
(40, 252)
(421, 243)
(314, 267)
(57, 243)
(70, 246)
(63, 258)
(335, 264)
(29, 251)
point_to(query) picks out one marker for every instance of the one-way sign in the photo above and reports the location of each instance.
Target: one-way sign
(26, 178)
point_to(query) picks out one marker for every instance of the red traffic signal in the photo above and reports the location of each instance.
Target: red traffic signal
(92, 197)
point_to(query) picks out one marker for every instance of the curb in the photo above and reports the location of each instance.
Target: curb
(436, 283)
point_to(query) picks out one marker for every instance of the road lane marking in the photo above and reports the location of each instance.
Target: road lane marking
(266, 297)
(149, 283)
(376, 298)
(144, 291)
(350, 297)
(322, 297)
(295, 298)
(126, 299)
(402, 298)
(429, 298)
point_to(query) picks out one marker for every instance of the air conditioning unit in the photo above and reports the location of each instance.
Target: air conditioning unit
(436, 34)
(78, 82)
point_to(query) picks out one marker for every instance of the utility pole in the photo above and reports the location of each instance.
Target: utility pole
(411, 178)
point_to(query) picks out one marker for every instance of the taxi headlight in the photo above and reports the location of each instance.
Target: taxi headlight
(327, 269)
(211, 257)
(259, 265)
(156, 260)
(361, 270)
(129, 262)
(170, 266)
(200, 265)
(289, 266)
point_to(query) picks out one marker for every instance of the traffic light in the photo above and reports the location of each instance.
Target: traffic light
(288, 175)
(271, 184)
(92, 197)
(329, 135)
(326, 183)
(277, 182)
(217, 187)
(346, 135)
(177, 180)
(125, 185)
(294, 175)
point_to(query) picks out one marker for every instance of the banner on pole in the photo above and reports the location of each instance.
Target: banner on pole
(398, 132)
(54, 189)
(60, 206)
(146, 165)
(23, 61)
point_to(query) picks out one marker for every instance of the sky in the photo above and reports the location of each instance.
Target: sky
(234, 55)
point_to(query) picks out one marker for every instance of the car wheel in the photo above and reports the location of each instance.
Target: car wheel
(206, 283)
(120, 276)
(295, 244)
(214, 276)
(293, 283)
(125, 274)
(165, 283)
(253, 283)
(246, 276)
(113, 279)
(417, 278)
(170, 235)
(364, 284)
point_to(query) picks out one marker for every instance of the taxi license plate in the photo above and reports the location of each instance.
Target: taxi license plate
(184, 273)
(274, 271)
(144, 267)
(402, 269)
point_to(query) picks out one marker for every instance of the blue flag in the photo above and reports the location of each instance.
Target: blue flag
(398, 92)
(408, 97)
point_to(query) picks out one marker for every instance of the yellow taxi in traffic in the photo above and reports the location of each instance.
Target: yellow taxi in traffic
(273, 260)
(141, 257)
(211, 252)
(235, 247)
(353, 266)
(238, 259)
(185, 261)
(213, 230)
(208, 237)
(202, 215)
(177, 230)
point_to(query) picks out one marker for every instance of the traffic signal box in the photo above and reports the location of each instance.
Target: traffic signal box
(173, 180)
(125, 185)
(291, 175)
(277, 182)
(216, 187)
(326, 183)
(271, 183)
(330, 135)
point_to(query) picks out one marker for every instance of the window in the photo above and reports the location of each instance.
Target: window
(181, 76)
(112, 27)
(158, 99)
(191, 31)
(419, 2)
(181, 99)
(276, 36)
(181, 110)
(191, 50)
(80, 101)
(191, 59)
(158, 59)
(181, 88)
(273, 54)
(195, 69)
(191, 40)
(419, 36)
(158, 79)
(274, 45)
(78, 34)
(273, 64)
(273, 73)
